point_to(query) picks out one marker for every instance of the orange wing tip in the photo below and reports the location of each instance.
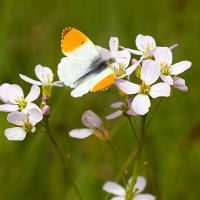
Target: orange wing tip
(72, 39)
(104, 84)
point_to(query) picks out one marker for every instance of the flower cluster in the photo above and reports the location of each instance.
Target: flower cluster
(154, 73)
(22, 111)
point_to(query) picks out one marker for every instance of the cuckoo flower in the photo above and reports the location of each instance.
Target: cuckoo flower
(25, 122)
(179, 83)
(164, 56)
(4, 88)
(146, 45)
(122, 108)
(150, 73)
(94, 126)
(45, 76)
(120, 192)
(14, 98)
(119, 60)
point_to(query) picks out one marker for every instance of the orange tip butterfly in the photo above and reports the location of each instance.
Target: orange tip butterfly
(83, 68)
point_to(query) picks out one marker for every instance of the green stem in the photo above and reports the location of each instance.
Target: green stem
(154, 112)
(118, 162)
(133, 128)
(130, 194)
(46, 122)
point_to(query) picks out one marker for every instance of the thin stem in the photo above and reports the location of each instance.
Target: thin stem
(133, 128)
(129, 194)
(154, 112)
(46, 122)
(118, 162)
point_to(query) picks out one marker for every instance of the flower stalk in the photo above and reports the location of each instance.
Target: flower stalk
(48, 131)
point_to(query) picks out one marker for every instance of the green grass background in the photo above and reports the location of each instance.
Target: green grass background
(30, 34)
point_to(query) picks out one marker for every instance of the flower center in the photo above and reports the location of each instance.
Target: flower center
(148, 48)
(21, 102)
(144, 88)
(27, 125)
(165, 69)
(120, 71)
(47, 79)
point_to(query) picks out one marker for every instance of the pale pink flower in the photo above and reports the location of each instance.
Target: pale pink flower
(150, 73)
(13, 97)
(122, 108)
(119, 192)
(94, 126)
(167, 70)
(46, 79)
(25, 122)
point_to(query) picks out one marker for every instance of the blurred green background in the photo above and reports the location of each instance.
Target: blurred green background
(30, 33)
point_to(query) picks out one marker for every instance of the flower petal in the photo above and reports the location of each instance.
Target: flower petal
(33, 94)
(121, 58)
(30, 106)
(114, 188)
(16, 118)
(114, 115)
(179, 83)
(144, 197)
(160, 90)
(35, 116)
(81, 133)
(4, 88)
(141, 104)
(114, 43)
(8, 108)
(140, 184)
(118, 198)
(44, 74)
(127, 87)
(15, 92)
(131, 112)
(118, 104)
(132, 68)
(163, 55)
(150, 71)
(15, 134)
(105, 53)
(29, 80)
(167, 79)
(91, 120)
(180, 67)
(144, 42)
(132, 51)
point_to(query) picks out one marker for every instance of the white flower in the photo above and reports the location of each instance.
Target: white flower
(146, 45)
(4, 88)
(150, 73)
(14, 99)
(94, 126)
(120, 192)
(121, 108)
(25, 124)
(45, 76)
(119, 60)
(164, 56)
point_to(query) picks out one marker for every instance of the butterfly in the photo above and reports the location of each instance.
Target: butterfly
(83, 68)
